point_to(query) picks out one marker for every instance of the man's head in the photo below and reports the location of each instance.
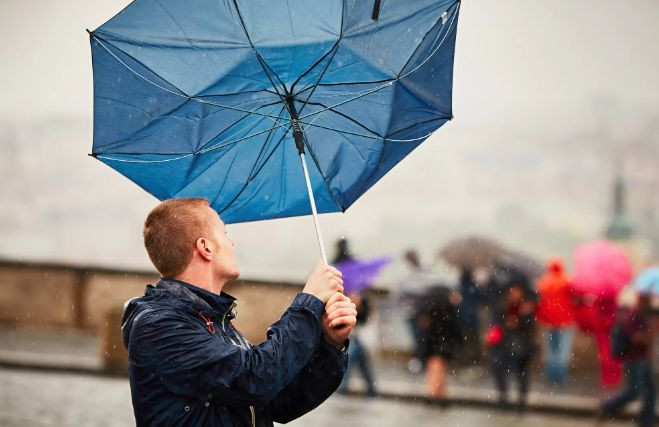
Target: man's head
(412, 258)
(644, 301)
(184, 236)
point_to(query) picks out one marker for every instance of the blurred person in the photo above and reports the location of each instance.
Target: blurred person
(637, 334)
(188, 364)
(511, 342)
(595, 315)
(438, 319)
(358, 357)
(468, 317)
(556, 313)
(411, 290)
(343, 252)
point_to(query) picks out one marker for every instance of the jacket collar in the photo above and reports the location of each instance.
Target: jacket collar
(200, 300)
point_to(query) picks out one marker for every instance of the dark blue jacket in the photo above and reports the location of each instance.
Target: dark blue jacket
(184, 371)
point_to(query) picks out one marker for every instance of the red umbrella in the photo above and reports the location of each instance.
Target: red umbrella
(600, 269)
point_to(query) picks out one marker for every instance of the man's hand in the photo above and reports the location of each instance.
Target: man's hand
(339, 319)
(324, 282)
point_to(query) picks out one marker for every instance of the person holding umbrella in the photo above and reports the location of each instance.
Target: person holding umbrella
(188, 364)
(220, 101)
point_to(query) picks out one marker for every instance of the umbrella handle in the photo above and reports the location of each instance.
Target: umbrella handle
(321, 243)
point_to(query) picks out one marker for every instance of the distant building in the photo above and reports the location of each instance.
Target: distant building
(638, 246)
(620, 228)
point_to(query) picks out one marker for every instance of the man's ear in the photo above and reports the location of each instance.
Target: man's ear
(204, 248)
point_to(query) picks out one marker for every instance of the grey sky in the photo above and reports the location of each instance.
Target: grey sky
(542, 88)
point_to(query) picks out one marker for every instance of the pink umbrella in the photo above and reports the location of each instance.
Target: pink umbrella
(600, 269)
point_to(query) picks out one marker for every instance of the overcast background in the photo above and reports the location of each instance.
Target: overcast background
(550, 98)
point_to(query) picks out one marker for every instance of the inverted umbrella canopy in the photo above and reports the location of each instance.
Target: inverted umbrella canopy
(648, 282)
(523, 264)
(600, 269)
(218, 99)
(360, 274)
(473, 252)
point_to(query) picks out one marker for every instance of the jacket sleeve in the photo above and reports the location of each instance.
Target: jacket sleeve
(312, 386)
(192, 362)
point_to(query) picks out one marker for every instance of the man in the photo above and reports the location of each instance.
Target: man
(636, 326)
(190, 366)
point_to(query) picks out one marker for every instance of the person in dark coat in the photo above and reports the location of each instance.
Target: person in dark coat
(189, 365)
(636, 329)
(358, 354)
(468, 317)
(511, 341)
(438, 319)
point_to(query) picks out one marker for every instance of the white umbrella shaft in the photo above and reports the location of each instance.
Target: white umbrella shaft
(321, 243)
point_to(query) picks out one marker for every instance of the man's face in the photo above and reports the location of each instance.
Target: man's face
(225, 261)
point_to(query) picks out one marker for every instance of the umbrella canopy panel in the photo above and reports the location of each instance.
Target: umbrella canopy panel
(473, 252)
(648, 282)
(600, 269)
(192, 99)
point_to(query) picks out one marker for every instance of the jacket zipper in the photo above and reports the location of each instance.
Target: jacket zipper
(239, 344)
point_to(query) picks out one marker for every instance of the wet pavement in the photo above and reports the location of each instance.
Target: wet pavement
(75, 356)
(60, 399)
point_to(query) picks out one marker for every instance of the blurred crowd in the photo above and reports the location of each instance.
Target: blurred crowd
(506, 309)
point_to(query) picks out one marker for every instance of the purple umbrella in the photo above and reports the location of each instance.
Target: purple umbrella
(360, 274)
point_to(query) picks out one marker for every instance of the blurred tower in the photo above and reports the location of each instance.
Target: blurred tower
(620, 228)
(621, 232)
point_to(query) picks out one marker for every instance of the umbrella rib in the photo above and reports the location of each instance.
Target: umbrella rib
(241, 119)
(409, 58)
(379, 137)
(259, 58)
(212, 148)
(201, 148)
(311, 67)
(322, 74)
(320, 104)
(213, 163)
(253, 175)
(322, 175)
(348, 100)
(182, 94)
(183, 32)
(448, 30)
(335, 47)
(408, 73)
(417, 124)
(106, 148)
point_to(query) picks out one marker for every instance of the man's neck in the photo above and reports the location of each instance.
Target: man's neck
(203, 280)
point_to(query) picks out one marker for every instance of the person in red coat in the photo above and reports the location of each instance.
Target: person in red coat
(555, 311)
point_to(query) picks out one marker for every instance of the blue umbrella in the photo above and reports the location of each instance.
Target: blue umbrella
(648, 282)
(222, 98)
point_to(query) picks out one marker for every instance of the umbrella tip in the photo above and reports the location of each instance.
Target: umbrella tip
(88, 32)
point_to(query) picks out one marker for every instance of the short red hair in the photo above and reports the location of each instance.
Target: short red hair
(171, 231)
